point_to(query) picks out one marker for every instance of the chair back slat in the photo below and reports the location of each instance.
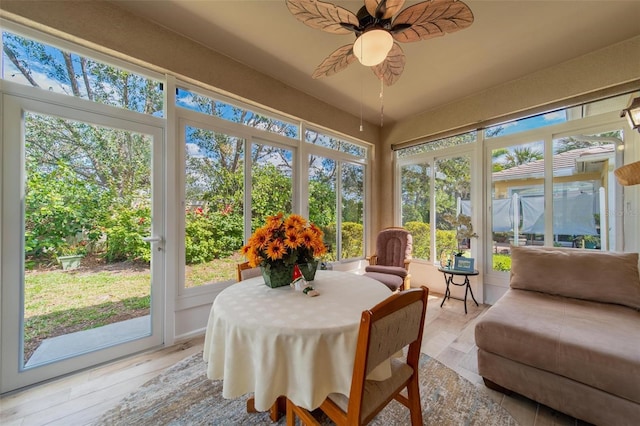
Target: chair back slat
(244, 271)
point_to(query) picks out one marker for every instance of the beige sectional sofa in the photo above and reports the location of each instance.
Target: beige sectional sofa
(567, 333)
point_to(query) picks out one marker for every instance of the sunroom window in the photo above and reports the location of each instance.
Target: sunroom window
(36, 64)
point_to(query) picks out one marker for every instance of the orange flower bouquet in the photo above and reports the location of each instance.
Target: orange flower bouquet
(284, 242)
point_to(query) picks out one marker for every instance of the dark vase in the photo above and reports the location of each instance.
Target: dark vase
(308, 269)
(277, 275)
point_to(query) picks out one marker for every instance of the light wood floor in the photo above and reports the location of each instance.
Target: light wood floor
(80, 398)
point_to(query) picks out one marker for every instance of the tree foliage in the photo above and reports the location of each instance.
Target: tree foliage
(94, 183)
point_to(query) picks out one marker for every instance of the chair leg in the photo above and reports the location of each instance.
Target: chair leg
(407, 282)
(291, 416)
(415, 405)
(305, 416)
(279, 406)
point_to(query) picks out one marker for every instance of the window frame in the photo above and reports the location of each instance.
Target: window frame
(432, 157)
(588, 125)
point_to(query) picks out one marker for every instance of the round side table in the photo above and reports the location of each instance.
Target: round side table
(449, 273)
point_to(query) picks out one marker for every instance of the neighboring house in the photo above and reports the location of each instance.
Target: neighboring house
(579, 177)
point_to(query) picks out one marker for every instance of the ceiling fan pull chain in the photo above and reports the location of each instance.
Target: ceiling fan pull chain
(361, 98)
(381, 102)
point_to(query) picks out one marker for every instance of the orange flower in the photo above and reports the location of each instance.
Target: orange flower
(274, 222)
(254, 258)
(290, 240)
(294, 223)
(319, 249)
(260, 238)
(275, 250)
(293, 240)
(308, 237)
(316, 230)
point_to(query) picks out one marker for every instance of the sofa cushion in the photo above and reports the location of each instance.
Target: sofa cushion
(596, 344)
(600, 276)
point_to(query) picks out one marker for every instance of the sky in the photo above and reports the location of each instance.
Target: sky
(530, 123)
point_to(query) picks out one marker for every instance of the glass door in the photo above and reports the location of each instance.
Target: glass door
(83, 238)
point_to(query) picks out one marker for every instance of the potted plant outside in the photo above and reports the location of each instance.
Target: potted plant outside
(591, 241)
(70, 255)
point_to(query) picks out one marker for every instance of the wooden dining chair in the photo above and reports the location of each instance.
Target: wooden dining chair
(385, 329)
(245, 271)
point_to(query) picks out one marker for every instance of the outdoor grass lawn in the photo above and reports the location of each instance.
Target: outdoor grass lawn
(60, 302)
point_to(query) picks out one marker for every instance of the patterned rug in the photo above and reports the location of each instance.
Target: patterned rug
(182, 395)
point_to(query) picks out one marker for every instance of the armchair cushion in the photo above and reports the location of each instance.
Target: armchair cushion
(395, 270)
(394, 282)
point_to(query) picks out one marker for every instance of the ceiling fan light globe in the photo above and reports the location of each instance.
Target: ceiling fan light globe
(372, 47)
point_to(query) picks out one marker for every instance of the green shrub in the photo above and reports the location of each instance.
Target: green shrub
(211, 235)
(61, 209)
(445, 240)
(421, 235)
(501, 262)
(125, 232)
(352, 237)
(330, 241)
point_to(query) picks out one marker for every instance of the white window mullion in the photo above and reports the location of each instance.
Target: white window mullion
(339, 210)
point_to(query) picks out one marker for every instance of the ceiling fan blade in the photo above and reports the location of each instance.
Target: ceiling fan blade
(323, 16)
(335, 62)
(431, 19)
(391, 68)
(383, 9)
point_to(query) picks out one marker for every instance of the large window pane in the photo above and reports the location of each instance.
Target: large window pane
(271, 182)
(517, 189)
(416, 206)
(87, 209)
(555, 117)
(337, 144)
(214, 209)
(40, 65)
(352, 237)
(582, 190)
(236, 114)
(322, 201)
(439, 144)
(453, 206)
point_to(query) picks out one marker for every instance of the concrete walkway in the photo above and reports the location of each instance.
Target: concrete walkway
(80, 342)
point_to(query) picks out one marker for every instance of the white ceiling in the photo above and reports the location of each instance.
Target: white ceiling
(508, 39)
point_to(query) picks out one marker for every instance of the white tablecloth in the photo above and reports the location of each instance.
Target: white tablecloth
(279, 341)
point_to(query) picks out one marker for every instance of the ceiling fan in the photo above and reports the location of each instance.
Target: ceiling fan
(377, 31)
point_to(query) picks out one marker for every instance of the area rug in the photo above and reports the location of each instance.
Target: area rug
(183, 395)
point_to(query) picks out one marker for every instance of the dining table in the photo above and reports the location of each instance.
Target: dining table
(276, 342)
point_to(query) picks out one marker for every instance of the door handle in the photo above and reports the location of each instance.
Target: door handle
(153, 239)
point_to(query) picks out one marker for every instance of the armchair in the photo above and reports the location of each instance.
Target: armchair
(390, 263)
